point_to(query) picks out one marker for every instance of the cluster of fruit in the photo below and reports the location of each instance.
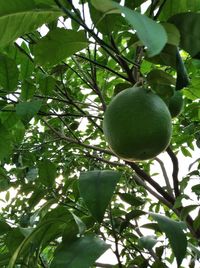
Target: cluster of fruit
(137, 123)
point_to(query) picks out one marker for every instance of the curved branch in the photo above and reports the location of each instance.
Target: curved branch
(175, 171)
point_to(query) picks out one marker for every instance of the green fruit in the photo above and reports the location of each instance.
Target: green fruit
(137, 124)
(176, 103)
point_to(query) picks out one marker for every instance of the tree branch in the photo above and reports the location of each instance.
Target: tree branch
(175, 171)
(148, 179)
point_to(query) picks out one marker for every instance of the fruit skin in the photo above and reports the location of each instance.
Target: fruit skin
(137, 124)
(176, 103)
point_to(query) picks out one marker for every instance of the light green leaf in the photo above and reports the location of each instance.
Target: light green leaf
(185, 151)
(8, 73)
(47, 172)
(59, 44)
(105, 6)
(21, 16)
(81, 253)
(148, 241)
(173, 35)
(151, 34)
(26, 110)
(96, 188)
(175, 234)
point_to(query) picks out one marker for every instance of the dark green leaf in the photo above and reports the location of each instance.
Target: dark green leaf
(4, 182)
(175, 234)
(47, 84)
(27, 90)
(96, 188)
(182, 79)
(131, 199)
(8, 73)
(26, 110)
(161, 82)
(47, 173)
(5, 142)
(196, 189)
(4, 227)
(186, 210)
(187, 24)
(82, 253)
(173, 7)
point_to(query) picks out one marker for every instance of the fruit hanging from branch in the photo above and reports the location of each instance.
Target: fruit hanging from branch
(137, 124)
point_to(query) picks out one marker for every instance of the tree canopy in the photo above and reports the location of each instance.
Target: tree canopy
(66, 198)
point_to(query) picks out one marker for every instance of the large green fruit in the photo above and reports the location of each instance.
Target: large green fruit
(137, 124)
(176, 103)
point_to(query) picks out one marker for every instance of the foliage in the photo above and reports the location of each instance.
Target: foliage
(65, 197)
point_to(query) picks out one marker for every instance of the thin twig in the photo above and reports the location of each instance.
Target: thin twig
(71, 140)
(117, 253)
(168, 186)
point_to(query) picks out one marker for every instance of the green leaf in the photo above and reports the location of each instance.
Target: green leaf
(5, 142)
(81, 253)
(182, 75)
(47, 84)
(173, 35)
(8, 73)
(4, 227)
(186, 210)
(27, 90)
(131, 199)
(151, 34)
(196, 189)
(4, 182)
(173, 7)
(166, 57)
(133, 4)
(47, 172)
(26, 110)
(185, 152)
(174, 233)
(161, 82)
(51, 226)
(188, 25)
(59, 44)
(21, 16)
(96, 188)
(148, 241)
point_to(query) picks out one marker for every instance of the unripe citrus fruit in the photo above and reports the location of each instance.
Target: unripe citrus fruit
(137, 124)
(176, 103)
